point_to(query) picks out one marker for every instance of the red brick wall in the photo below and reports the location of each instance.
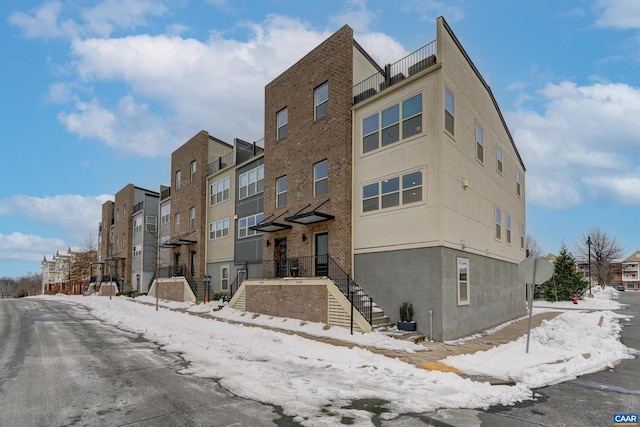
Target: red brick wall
(305, 302)
(309, 141)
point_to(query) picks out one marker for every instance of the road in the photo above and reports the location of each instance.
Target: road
(590, 400)
(59, 366)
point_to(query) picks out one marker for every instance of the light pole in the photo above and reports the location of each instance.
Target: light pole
(589, 245)
(207, 282)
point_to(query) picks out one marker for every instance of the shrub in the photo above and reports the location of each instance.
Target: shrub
(406, 312)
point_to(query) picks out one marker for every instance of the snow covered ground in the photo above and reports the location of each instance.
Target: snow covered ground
(314, 381)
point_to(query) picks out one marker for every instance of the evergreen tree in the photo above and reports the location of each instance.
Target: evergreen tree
(565, 281)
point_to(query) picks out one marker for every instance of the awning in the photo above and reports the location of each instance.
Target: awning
(269, 227)
(178, 241)
(310, 217)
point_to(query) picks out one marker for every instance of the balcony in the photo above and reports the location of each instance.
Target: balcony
(220, 163)
(392, 74)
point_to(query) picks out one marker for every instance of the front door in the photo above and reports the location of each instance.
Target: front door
(280, 256)
(322, 254)
(192, 263)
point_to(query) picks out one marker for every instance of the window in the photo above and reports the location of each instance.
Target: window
(176, 223)
(117, 214)
(463, 281)
(192, 217)
(449, 111)
(498, 224)
(479, 143)
(137, 225)
(252, 182)
(390, 127)
(370, 133)
(523, 236)
(383, 128)
(178, 179)
(193, 171)
(224, 278)
(124, 210)
(249, 221)
(219, 229)
(283, 120)
(163, 240)
(165, 211)
(281, 191)
(321, 178)
(220, 191)
(137, 250)
(499, 157)
(412, 116)
(518, 182)
(321, 101)
(151, 223)
(394, 191)
(507, 227)
(124, 240)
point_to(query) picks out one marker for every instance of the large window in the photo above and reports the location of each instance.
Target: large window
(249, 221)
(479, 143)
(393, 191)
(219, 229)
(151, 222)
(252, 182)
(224, 278)
(449, 111)
(463, 281)
(281, 191)
(321, 178)
(137, 250)
(283, 120)
(499, 160)
(381, 129)
(137, 225)
(178, 179)
(498, 224)
(220, 191)
(165, 211)
(321, 101)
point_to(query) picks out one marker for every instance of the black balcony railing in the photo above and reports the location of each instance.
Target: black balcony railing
(322, 266)
(411, 64)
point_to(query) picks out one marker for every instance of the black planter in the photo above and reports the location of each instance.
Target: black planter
(406, 326)
(293, 271)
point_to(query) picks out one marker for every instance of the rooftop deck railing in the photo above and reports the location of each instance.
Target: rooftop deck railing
(411, 64)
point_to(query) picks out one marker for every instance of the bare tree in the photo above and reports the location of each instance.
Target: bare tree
(29, 284)
(605, 250)
(81, 266)
(533, 248)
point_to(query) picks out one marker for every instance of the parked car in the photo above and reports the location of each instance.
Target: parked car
(620, 288)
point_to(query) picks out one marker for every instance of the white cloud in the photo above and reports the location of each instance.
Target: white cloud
(622, 14)
(49, 20)
(583, 143)
(28, 247)
(77, 216)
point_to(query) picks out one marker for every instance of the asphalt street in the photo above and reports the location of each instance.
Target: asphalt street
(59, 367)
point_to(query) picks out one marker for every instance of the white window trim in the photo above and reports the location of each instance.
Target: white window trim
(222, 225)
(222, 279)
(316, 104)
(400, 204)
(479, 143)
(497, 231)
(316, 180)
(283, 125)
(459, 282)
(499, 161)
(453, 113)
(278, 193)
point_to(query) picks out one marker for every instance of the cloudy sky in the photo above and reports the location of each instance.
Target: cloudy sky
(97, 94)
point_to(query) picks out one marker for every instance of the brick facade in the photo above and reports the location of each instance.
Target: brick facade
(305, 302)
(309, 141)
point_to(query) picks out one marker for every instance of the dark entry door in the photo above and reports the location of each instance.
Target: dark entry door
(322, 254)
(280, 256)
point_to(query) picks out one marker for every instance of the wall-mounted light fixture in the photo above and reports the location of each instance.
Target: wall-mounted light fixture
(463, 244)
(465, 183)
(304, 237)
(268, 243)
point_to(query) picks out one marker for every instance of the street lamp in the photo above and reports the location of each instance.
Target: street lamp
(207, 282)
(589, 245)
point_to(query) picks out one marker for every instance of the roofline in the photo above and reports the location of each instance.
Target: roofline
(484, 83)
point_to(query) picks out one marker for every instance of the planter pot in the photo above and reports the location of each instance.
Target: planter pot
(294, 272)
(406, 326)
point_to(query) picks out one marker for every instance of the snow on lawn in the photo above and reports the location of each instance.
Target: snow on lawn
(313, 380)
